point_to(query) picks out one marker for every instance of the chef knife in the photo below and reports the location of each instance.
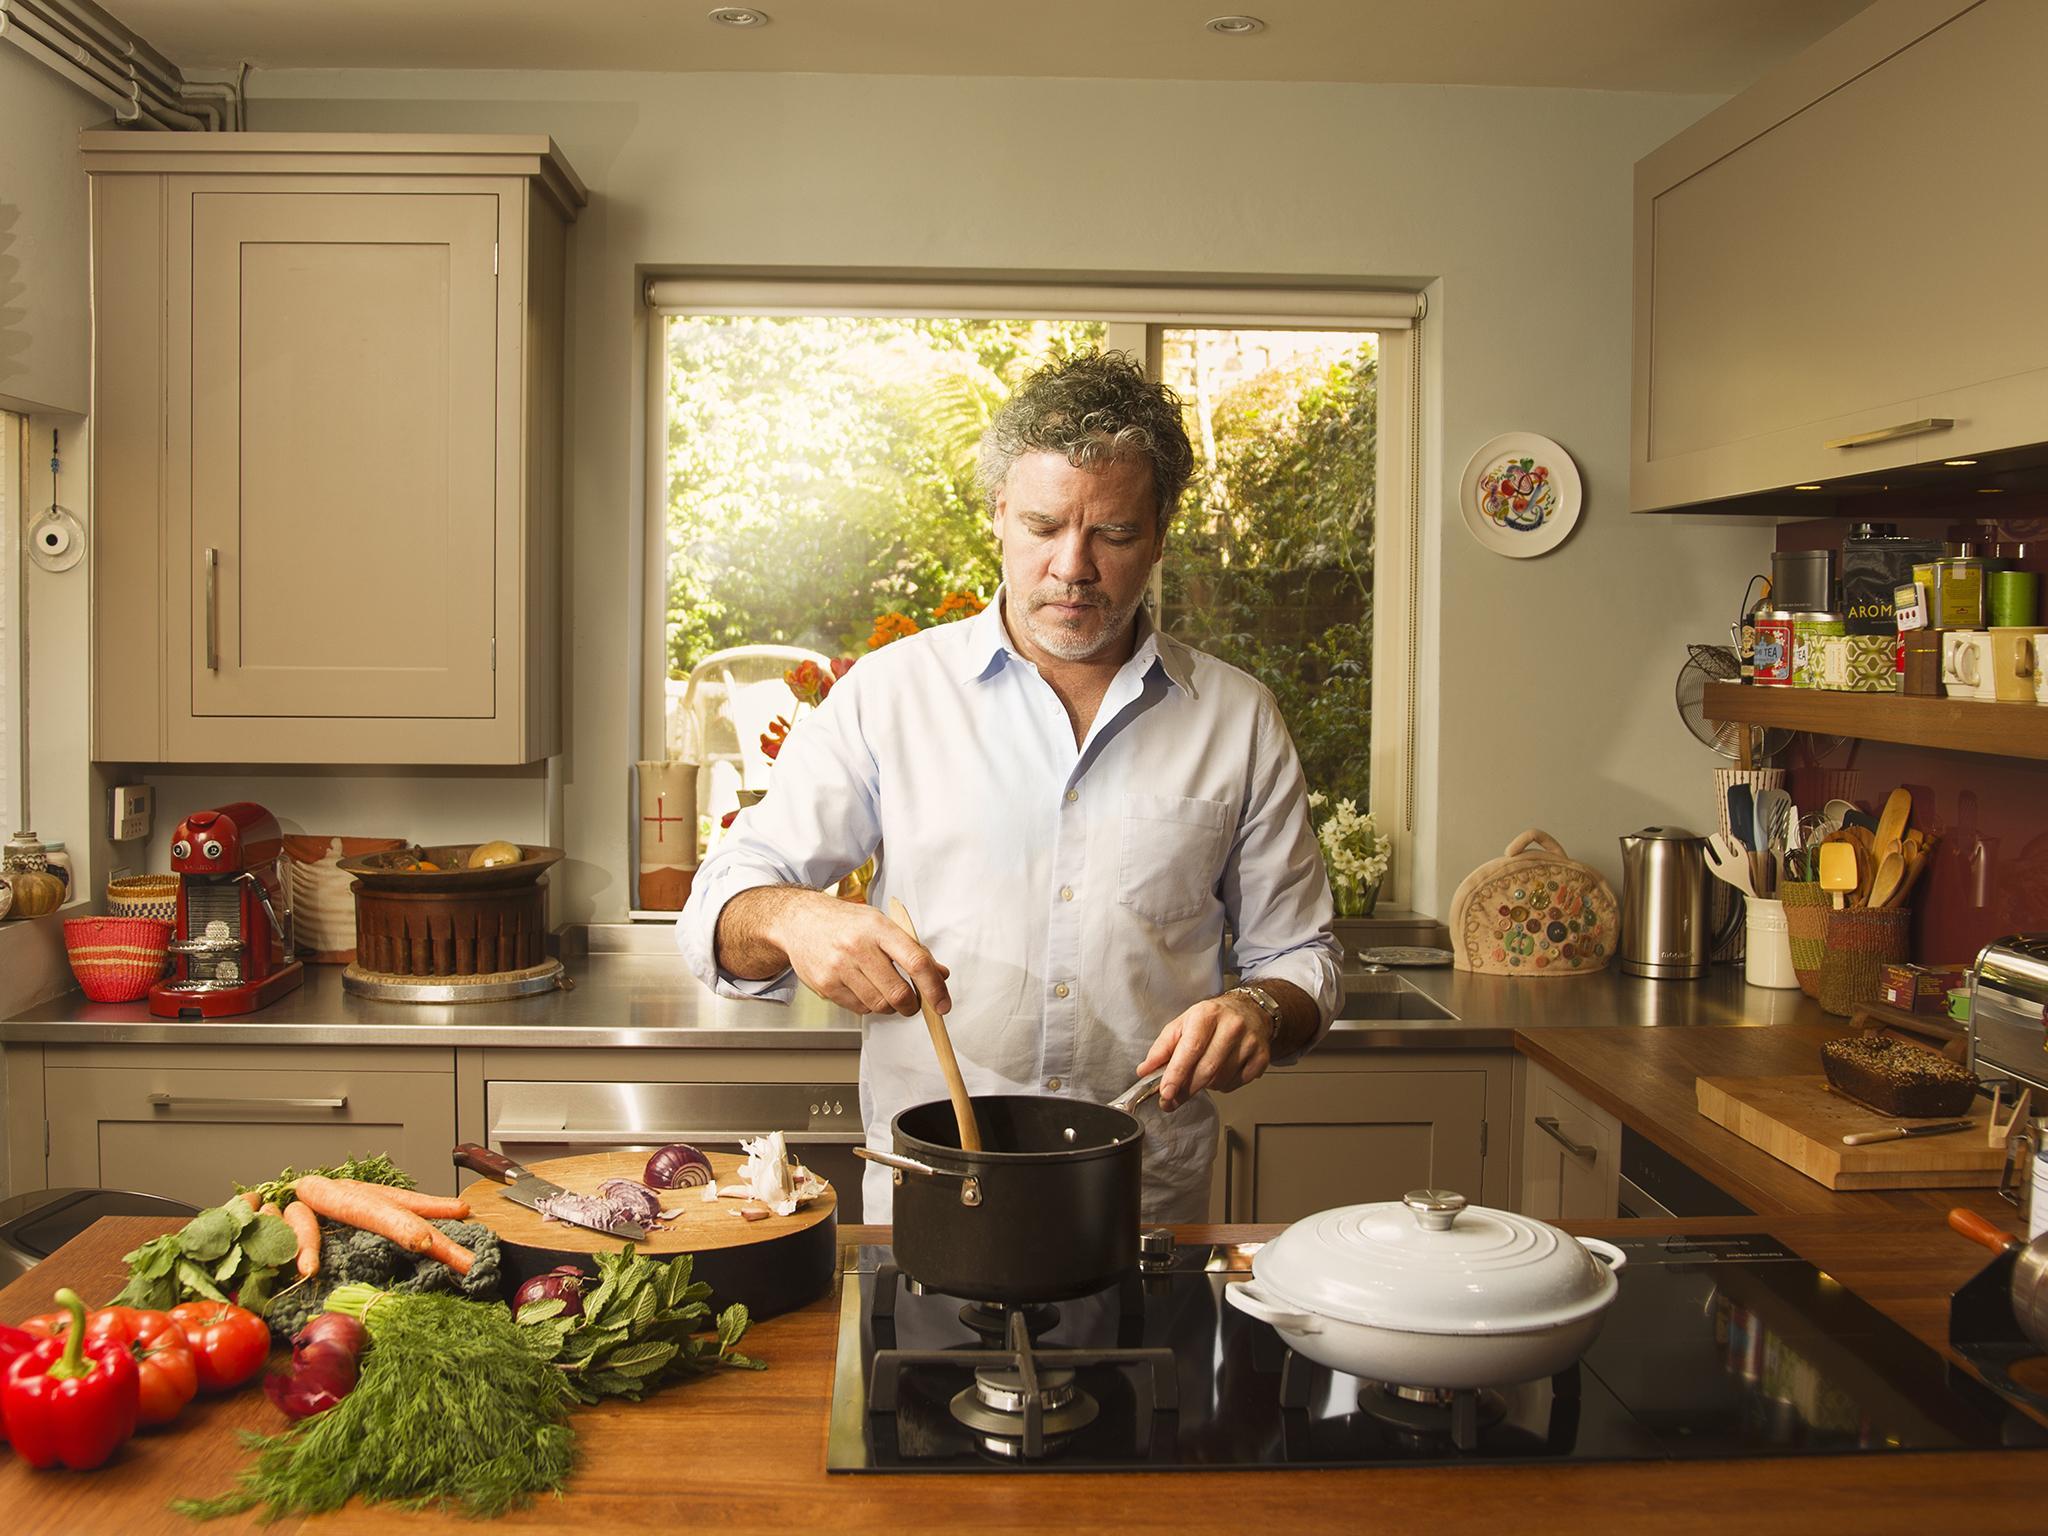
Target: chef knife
(529, 1189)
(1862, 1138)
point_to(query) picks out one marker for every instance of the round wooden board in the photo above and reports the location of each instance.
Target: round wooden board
(773, 1265)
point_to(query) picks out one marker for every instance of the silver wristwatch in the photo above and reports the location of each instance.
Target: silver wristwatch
(1269, 1005)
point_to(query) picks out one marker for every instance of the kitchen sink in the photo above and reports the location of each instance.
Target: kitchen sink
(1386, 996)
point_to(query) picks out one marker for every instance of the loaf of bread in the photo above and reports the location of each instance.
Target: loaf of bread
(1894, 1078)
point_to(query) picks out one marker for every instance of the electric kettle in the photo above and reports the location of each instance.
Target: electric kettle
(1666, 900)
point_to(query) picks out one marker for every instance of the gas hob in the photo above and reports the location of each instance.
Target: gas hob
(1715, 1347)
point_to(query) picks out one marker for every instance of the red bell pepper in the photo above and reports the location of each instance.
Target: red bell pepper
(229, 1343)
(70, 1401)
(14, 1342)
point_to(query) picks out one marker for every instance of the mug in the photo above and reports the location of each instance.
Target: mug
(2012, 662)
(1966, 664)
(2041, 669)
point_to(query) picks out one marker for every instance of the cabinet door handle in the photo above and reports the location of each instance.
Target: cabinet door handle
(1547, 1124)
(213, 610)
(1889, 434)
(540, 1135)
(181, 1101)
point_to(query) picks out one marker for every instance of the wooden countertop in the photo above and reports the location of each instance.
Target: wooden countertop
(1644, 1077)
(746, 1453)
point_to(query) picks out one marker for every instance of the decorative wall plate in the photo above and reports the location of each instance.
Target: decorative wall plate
(1520, 495)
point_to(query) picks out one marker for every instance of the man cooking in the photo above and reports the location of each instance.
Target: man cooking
(1074, 807)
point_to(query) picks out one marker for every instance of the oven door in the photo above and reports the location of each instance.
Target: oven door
(534, 1121)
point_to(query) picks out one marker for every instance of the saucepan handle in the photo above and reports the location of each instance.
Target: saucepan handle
(1606, 1253)
(970, 1186)
(1248, 1299)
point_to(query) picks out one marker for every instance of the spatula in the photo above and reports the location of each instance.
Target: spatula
(1838, 869)
(949, 1064)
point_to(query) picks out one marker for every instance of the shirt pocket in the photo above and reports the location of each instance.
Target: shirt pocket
(1171, 852)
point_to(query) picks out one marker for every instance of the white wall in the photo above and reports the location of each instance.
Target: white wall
(43, 337)
(1550, 696)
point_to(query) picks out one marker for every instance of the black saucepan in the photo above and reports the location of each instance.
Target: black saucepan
(1047, 1211)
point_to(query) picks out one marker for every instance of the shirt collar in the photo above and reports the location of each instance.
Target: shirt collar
(989, 647)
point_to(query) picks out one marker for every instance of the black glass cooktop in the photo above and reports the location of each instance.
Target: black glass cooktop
(1715, 1347)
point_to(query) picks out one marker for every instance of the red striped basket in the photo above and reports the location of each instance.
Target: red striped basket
(116, 959)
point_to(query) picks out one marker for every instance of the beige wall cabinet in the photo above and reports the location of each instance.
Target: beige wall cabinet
(1571, 1152)
(1833, 275)
(1349, 1127)
(327, 447)
(191, 1122)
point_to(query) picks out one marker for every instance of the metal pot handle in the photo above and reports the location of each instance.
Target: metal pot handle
(1606, 1253)
(970, 1186)
(1242, 1295)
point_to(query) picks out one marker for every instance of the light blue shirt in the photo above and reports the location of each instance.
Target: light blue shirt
(1079, 896)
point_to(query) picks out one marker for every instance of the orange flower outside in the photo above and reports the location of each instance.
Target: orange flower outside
(957, 605)
(889, 627)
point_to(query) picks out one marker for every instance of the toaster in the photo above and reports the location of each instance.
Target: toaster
(2008, 1038)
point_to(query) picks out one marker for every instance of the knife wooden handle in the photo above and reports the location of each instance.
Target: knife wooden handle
(492, 1165)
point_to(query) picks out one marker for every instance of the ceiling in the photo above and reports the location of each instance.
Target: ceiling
(1713, 47)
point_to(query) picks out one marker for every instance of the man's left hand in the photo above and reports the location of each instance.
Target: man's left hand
(1220, 1043)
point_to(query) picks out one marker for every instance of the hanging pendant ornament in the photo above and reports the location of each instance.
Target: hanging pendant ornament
(57, 541)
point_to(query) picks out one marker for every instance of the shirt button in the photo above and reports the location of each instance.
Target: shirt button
(1060, 990)
(1066, 893)
(1052, 1085)
(1073, 795)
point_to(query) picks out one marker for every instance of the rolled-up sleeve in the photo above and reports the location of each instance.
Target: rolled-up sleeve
(1275, 890)
(818, 821)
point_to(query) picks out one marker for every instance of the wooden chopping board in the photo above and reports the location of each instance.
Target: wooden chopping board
(1801, 1122)
(773, 1265)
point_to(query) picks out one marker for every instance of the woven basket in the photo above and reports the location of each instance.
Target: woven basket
(116, 959)
(151, 896)
(1806, 921)
(1860, 942)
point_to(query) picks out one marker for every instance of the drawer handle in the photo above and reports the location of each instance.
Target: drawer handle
(529, 1135)
(1547, 1124)
(1890, 434)
(181, 1101)
(212, 610)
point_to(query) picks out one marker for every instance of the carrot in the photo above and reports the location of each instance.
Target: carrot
(450, 1252)
(356, 1208)
(269, 1208)
(250, 1197)
(306, 1228)
(437, 1207)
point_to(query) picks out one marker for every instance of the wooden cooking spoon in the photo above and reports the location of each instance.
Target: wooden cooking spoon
(1891, 823)
(1891, 874)
(949, 1064)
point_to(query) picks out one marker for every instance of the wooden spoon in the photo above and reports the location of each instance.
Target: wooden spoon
(949, 1064)
(1891, 824)
(1891, 874)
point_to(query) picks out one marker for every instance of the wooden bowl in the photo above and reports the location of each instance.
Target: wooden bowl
(387, 871)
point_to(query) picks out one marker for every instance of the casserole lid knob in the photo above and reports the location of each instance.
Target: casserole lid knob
(1435, 1209)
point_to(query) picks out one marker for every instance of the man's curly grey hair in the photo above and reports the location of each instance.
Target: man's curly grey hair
(1093, 409)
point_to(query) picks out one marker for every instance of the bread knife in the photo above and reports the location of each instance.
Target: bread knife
(1862, 1138)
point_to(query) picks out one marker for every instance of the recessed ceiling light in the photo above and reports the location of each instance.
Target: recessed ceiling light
(1805, 487)
(1957, 463)
(739, 16)
(1235, 26)
(1990, 490)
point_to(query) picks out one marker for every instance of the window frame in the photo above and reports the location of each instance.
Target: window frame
(1134, 314)
(13, 608)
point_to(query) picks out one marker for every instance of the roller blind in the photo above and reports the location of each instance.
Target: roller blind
(1317, 308)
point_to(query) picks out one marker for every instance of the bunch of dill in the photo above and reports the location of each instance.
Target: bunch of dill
(452, 1408)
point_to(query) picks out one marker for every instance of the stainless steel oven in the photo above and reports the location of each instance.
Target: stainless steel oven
(1654, 1183)
(534, 1121)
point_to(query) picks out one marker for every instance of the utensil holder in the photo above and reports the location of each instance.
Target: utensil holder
(1858, 943)
(1806, 917)
(1767, 961)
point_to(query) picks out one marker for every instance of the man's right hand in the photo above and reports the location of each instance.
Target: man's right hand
(848, 954)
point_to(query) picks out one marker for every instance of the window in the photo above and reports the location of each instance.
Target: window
(811, 467)
(13, 501)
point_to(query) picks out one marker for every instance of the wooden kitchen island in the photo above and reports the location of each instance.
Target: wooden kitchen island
(744, 1452)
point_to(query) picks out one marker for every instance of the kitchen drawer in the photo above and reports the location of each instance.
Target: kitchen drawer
(192, 1133)
(1571, 1153)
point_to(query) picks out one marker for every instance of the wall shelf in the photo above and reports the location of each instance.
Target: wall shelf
(1953, 725)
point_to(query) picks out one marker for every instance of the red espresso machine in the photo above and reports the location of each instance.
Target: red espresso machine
(233, 942)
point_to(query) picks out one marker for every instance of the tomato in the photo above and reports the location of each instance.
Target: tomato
(229, 1343)
(163, 1355)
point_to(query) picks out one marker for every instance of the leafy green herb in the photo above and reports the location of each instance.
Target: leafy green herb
(227, 1253)
(364, 1170)
(452, 1408)
(645, 1325)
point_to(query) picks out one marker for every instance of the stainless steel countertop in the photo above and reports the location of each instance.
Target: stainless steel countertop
(648, 1000)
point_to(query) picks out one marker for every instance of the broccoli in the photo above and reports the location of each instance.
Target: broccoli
(349, 1256)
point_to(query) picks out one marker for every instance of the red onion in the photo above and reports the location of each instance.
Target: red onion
(678, 1166)
(323, 1369)
(331, 1328)
(564, 1282)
